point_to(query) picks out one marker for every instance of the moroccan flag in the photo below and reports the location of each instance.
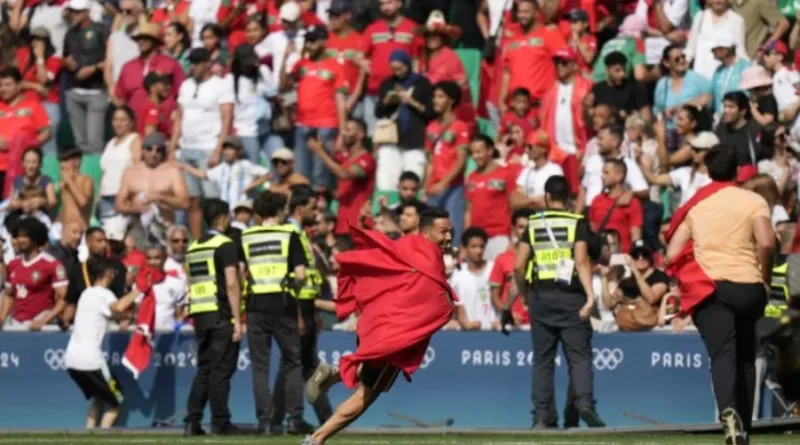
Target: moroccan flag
(140, 349)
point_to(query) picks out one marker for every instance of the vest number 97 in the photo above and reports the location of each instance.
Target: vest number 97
(266, 270)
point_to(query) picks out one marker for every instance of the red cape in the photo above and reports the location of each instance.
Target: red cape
(694, 284)
(401, 291)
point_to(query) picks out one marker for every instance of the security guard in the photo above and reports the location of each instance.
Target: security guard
(553, 270)
(302, 206)
(779, 292)
(214, 304)
(276, 266)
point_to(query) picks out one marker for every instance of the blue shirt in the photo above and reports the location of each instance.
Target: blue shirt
(693, 86)
(725, 80)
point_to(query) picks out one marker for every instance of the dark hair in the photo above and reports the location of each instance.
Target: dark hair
(33, 229)
(92, 230)
(35, 150)
(451, 89)
(12, 221)
(300, 197)
(360, 123)
(766, 139)
(615, 58)
(665, 54)
(558, 188)
(487, 141)
(701, 117)
(521, 91)
(418, 205)
(128, 111)
(214, 28)
(49, 49)
(244, 64)
(269, 204)
(102, 266)
(11, 73)
(344, 243)
(473, 232)
(186, 40)
(213, 209)
(409, 176)
(722, 163)
(739, 99)
(616, 130)
(521, 213)
(618, 164)
(431, 214)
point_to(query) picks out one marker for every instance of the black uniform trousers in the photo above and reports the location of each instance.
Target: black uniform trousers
(217, 356)
(262, 327)
(727, 323)
(309, 358)
(555, 319)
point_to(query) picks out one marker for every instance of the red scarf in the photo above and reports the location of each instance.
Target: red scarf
(693, 282)
(140, 348)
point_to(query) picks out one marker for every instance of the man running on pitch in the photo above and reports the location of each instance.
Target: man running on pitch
(401, 291)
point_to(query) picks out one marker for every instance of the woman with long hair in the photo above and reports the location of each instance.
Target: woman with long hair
(122, 151)
(32, 177)
(250, 82)
(177, 43)
(40, 79)
(211, 36)
(689, 121)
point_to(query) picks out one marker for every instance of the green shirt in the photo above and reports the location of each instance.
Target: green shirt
(625, 45)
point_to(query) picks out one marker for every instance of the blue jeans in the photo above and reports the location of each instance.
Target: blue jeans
(267, 144)
(54, 113)
(306, 163)
(452, 200)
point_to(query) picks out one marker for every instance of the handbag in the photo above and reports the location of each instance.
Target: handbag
(386, 131)
(636, 315)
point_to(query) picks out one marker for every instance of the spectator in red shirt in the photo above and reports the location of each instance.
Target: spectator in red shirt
(37, 282)
(232, 17)
(321, 95)
(23, 124)
(622, 214)
(354, 170)
(528, 57)
(501, 280)
(347, 46)
(391, 32)
(171, 11)
(488, 189)
(130, 87)
(447, 142)
(522, 114)
(41, 78)
(156, 112)
(582, 40)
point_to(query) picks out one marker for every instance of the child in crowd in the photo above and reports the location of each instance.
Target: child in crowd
(243, 214)
(523, 113)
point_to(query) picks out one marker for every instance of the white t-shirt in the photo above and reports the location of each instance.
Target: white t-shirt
(779, 215)
(565, 134)
(783, 87)
(274, 44)
(532, 180)
(474, 294)
(683, 179)
(172, 266)
(84, 350)
(170, 294)
(51, 18)
(246, 112)
(232, 179)
(202, 119)
(593, 181)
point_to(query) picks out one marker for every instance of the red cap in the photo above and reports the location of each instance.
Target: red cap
(566, 54)
(539, 138)
(777, 46)
(746, 172)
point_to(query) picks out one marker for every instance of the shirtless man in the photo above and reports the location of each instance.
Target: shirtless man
(283, 176)
(77, 190)
(153, 182)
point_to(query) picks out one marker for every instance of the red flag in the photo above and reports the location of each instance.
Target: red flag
(694, 284)
(140, 349)
(401, 291)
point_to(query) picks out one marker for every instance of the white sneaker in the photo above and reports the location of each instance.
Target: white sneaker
(321, 381)
(309, 441)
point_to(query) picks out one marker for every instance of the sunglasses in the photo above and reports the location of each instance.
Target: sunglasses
(179, 240)
(279, 162)
(680, 58)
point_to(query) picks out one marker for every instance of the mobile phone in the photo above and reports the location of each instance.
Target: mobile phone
(617, 259)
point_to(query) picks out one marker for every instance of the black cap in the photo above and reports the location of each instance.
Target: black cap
(578, 14)
(339, 7)
(640, 249)
(197, 55)
(153, 78)
(214, 208)
(69, 152)
(314, 33)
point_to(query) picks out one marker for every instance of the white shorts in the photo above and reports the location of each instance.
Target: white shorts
(393, 161)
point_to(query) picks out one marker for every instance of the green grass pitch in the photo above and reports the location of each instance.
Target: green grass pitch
(377, 439)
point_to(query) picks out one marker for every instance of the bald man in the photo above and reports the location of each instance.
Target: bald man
(66, 251)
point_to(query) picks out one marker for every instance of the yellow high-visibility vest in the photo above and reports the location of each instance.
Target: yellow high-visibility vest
(202, 273)
(552, 237)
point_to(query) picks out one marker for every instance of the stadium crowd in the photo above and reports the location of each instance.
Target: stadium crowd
(383, 107)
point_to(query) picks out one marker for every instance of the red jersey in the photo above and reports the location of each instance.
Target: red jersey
(353, 193)
(590, 42)
(53, 68)
(529, 123)
(529, 60)
(345, 49)
(487, 195)
(160, 116)
(22, 120)
(130, 86)
(379, 42)
(318, 82)
(33, 283)
(235, 29)
(444, 142)
(622, 219)
(501, 276)
(161, 15)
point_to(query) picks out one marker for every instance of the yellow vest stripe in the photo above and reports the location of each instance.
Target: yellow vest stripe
(202, 276)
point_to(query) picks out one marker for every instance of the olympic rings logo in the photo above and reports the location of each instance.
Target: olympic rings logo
(54, 358)
(430, 355)
(607, 359)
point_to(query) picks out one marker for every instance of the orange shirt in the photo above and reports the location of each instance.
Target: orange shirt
(318, 82)
(24, 120)
(444, 142)
(345, 49)
(529, 60)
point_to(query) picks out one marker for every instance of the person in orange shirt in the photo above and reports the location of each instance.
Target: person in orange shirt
(23, 124)
(528, 58)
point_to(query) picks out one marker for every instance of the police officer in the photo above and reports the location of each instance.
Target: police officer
(553, 270)
(214, 304)
(302, 206)
(277, 266)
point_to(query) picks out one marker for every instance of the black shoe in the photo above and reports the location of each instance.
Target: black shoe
(544, 426)
(227, 429)
(301, 428)
(590, 417)
(733, 428)
(193, 429)
(276, 430)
